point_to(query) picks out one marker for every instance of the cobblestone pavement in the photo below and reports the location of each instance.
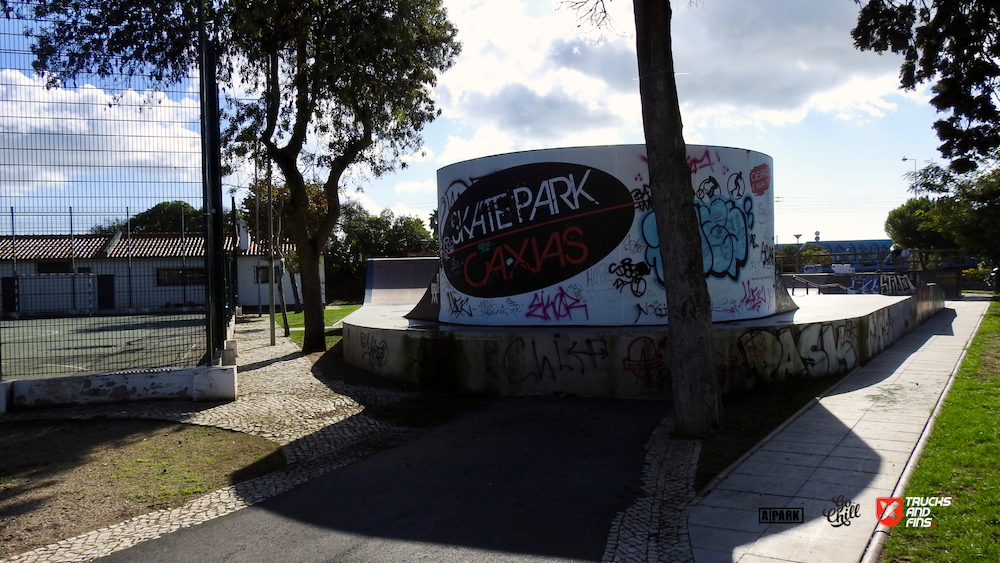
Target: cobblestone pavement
(654, 527)
(321, 426)
(279, 399)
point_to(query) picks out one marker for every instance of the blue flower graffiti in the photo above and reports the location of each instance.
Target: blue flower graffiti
(724, 225)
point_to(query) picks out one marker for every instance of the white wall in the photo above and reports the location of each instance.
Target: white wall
(251, 294)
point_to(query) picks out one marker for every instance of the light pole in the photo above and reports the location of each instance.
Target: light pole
(914, 187)
(798, 252)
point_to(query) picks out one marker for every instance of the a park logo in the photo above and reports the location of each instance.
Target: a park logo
(781, 515)
(889, 510)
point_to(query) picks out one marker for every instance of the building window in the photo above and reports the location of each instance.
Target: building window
(55, 267)
(262, 274)
(180, 276)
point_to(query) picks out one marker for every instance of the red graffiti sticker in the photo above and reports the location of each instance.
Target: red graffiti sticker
(760, 179)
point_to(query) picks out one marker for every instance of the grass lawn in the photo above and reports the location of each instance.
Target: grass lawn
(330, 316)
(961, 461)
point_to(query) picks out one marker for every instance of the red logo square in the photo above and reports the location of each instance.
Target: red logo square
(889, 510)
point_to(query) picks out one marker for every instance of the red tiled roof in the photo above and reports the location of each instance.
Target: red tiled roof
(139, 245)
(52, 247)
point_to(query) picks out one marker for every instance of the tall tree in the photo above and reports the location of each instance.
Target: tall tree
(341, 83)
(695, 387)
(953, 44)
(697, 405)
(913, 225)
(967, 209)
(164, 217)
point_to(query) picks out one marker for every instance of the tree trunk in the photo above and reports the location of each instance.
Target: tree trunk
(295, 292)
(697, 407)
(281, 299)
(312, 298)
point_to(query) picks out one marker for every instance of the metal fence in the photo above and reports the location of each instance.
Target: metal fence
(102, 229)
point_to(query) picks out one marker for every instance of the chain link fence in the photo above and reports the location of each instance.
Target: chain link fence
(102, 224)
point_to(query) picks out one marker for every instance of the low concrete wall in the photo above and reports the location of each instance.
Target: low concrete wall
(204, 383)
(615, 362)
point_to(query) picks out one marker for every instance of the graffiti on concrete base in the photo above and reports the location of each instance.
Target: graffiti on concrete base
(645, 359)
(374, 350)
(547, 359)
(818, 349)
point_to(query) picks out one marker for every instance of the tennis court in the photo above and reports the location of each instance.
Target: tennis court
(60, 347)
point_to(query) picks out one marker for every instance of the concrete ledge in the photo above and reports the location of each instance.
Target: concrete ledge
(827, 335)
(205, 383)
(214, 383)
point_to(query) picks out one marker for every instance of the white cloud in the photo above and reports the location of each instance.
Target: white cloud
(364, 199)
(554, 81)
(485, 141)
(423, 154)
(426, 186)
(403, 210)
(57, 136)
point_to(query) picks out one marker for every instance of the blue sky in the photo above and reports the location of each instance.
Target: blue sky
(777, 76)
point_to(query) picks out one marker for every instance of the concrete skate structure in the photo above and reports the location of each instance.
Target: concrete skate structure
(550, 281)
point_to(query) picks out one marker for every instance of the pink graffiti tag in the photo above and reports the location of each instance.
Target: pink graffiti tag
(753, 299)
(557, 307)
(704, 161)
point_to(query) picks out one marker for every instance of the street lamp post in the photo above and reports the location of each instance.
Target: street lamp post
(914, 187)
(798, 251)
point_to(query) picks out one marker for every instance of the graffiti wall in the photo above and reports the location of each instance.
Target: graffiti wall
(615, 362)
(568, 237)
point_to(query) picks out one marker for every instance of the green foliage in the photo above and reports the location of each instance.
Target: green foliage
(978, 274)
(967, 209)
(913, 225)
(360, 236)
(279, 197)
(954, 45)
(812, 253)
(165, 217)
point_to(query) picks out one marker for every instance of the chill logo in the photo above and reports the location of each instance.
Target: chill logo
(917, 511)
(532, 226)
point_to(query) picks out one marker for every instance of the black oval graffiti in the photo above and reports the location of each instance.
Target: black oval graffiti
(532, 226)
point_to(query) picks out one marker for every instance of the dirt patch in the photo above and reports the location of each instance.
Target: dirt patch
(59, 479)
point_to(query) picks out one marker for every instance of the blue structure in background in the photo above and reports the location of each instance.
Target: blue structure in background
(862, 255)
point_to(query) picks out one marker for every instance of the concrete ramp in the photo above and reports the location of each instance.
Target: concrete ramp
(398, 281)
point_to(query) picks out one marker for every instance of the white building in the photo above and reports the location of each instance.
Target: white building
(119, 273)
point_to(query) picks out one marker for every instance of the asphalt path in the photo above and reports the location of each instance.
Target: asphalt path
(523, 479)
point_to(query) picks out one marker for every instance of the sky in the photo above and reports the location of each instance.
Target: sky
(781, 77)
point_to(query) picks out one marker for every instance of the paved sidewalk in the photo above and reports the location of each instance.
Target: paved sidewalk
(851, 445)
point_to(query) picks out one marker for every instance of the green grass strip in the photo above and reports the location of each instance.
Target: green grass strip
(330, 316)
(961, 460)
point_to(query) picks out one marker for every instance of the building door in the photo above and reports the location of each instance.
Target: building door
(106, 291)
(8, 288)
